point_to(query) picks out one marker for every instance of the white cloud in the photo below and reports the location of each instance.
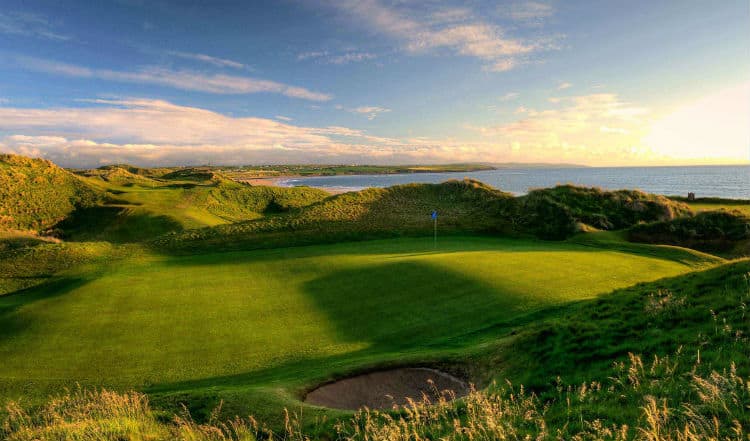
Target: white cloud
(529, 12)
(284, 118)
(29, 25)
(502, 65)
(179, 79)
(158, 132)
(564, 85)
(451, 15)
(596, 129)
(510, 96)
(215, 61)
(451, 30)
(152, 132)
(372, 112)
(341, 58)
(593, 129)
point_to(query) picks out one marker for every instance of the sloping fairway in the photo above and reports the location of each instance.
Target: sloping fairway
(257, 327)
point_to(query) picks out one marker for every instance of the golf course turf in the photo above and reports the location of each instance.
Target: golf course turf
(213, 299)
(267, 324)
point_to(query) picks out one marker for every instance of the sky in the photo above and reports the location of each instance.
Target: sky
(161, 82)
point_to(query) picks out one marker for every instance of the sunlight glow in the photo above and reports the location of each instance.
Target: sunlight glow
(714, 128)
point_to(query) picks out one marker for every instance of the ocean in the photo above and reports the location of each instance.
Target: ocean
(705, 181)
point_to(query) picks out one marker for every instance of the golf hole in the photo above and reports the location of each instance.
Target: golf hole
(384, 389)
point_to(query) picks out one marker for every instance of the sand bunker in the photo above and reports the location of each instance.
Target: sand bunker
(383, 389)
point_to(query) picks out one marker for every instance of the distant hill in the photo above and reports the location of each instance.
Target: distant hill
(35, 193)
(503, 165)
(120, 175)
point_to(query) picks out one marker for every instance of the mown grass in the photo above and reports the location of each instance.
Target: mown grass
(687, 386)
(289, 316)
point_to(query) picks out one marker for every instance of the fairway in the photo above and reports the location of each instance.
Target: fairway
(289, 315)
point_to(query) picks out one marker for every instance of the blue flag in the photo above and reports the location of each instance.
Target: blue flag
(434, 214)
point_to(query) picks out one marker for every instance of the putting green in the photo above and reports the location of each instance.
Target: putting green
(289, 316)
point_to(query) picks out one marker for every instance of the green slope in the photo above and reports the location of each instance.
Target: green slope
(35, 193)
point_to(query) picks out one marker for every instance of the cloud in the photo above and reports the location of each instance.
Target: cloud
(372, 112)
(529, 12)
(215, 61)
(178, 79)
(453, 30)
(343, 58)
(592, 129)
(29, 25)
(564, 85)
(284, 118)
(153, 132)
(158, 132)
(596, 129)
(510, 96)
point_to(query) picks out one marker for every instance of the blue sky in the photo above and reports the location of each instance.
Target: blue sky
(376, 81)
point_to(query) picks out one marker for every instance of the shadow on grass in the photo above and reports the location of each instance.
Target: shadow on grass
(10, 323)
(408, 313)
(115, 224)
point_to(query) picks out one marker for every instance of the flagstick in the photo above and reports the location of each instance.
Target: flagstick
(434, 243)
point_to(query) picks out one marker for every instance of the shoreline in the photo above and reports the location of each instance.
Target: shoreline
(275, 181)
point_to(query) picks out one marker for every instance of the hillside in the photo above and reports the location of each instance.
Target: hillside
(464, 206)
(35, 194)
(403, 210)
(720, 232)
(563, 207)
(120, 175)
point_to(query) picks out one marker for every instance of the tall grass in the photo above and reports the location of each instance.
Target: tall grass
(715, 405)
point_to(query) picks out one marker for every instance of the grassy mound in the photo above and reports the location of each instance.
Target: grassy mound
(559, 209)
(464, 206)
(234, 201)
(403, 210)
(723, 232)
(121, 175)
(192, 174)
(35, 194)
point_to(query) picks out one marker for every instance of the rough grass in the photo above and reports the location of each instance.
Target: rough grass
(242, 320)
(404, 210)
(561, 208)
(464, 206)
(35, 194)
(720, 232)
(148, 208)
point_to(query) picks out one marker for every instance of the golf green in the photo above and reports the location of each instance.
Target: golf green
(287, 316)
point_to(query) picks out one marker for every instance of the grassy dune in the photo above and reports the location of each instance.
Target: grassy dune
(35, 194)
